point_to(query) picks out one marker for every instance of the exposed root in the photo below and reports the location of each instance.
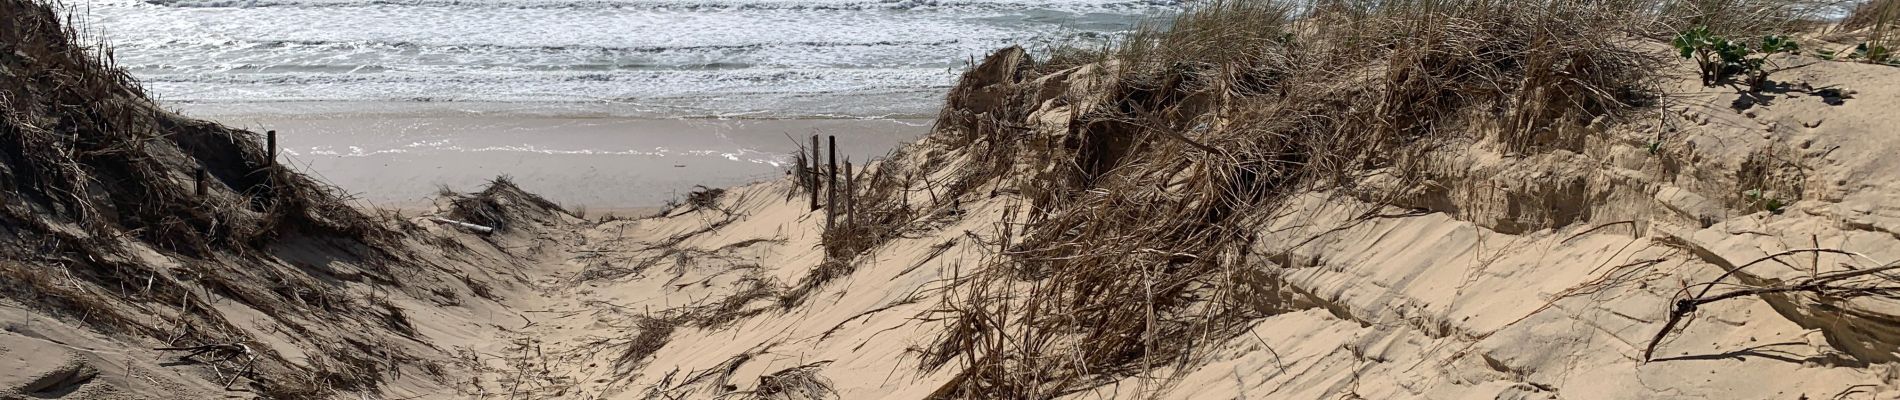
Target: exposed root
(1838, 285)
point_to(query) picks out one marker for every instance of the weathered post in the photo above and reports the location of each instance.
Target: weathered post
(812, 178)
(831, 186)
(832, 173)
(850, 197)
(270, 149)
(198, 178)
(270, 163)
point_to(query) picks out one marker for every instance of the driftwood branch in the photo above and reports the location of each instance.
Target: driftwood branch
(1819, 284)
(464, 225)
(1732, 270)
(223, 352)
(1631, 223)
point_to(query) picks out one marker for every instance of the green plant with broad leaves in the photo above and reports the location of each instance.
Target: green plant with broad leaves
(1721, 59)
(1873, 53)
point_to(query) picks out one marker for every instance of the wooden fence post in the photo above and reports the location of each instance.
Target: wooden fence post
(831, 186)
(813, 177)
(270, 149)
(270, 164)
(832, 173)
(850, 197)
(198, 178)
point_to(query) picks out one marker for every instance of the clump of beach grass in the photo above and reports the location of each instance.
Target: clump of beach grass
(1135, 250)
(796, 383)
(1875, 25)
(99, 181)
(654, 332)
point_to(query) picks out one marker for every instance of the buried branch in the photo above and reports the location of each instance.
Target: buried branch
(223, 352)
(1832, 284)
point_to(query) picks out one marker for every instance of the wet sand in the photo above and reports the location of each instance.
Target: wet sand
(614, 165)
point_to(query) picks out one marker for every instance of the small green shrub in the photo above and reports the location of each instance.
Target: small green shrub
(1772, 204)
(1873, 53)
(1721, 59)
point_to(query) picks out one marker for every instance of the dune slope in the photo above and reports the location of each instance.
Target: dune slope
(1545, 265)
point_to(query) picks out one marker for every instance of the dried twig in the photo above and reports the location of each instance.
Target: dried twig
(223, 353)
(1821, 285)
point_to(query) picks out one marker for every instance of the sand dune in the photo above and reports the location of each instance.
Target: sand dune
(1120, 228)
(1390, 302)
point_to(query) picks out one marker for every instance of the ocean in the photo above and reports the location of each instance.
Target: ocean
(638, 58)
(613, 104)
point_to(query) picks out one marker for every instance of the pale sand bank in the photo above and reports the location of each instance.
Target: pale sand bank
(605, 163)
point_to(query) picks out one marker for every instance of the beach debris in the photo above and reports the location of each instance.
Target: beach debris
(471, 227)
(224, 353)
(704, 197)
(1838, 285)
(800, 382)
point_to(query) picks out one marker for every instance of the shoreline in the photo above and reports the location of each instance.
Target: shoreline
(603, 163)
(325, 109)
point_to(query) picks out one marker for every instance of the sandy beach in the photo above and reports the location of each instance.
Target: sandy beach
(605, 164)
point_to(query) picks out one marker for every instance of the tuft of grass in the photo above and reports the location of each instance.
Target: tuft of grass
(733, 307)
(1744, 20)
(703, 197)
(501, 205)
(65, 300)
(1070, 55)
(1872, 27)
(1240, 35)
(796, 383)
(816, 279)
(1879, 21)
(394, 317)
(1878, 15)
(654, 333)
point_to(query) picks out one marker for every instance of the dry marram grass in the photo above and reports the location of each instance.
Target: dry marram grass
(1134, 249)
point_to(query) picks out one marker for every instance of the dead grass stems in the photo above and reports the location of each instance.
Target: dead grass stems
(1878, 21)
(1836, 286)
(95, 174)
(1138, 221)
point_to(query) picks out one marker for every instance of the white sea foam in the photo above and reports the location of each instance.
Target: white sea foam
(853, 5)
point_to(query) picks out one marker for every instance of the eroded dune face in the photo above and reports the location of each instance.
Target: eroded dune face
(1095, 228)
(148, 255)
(1537, 274)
